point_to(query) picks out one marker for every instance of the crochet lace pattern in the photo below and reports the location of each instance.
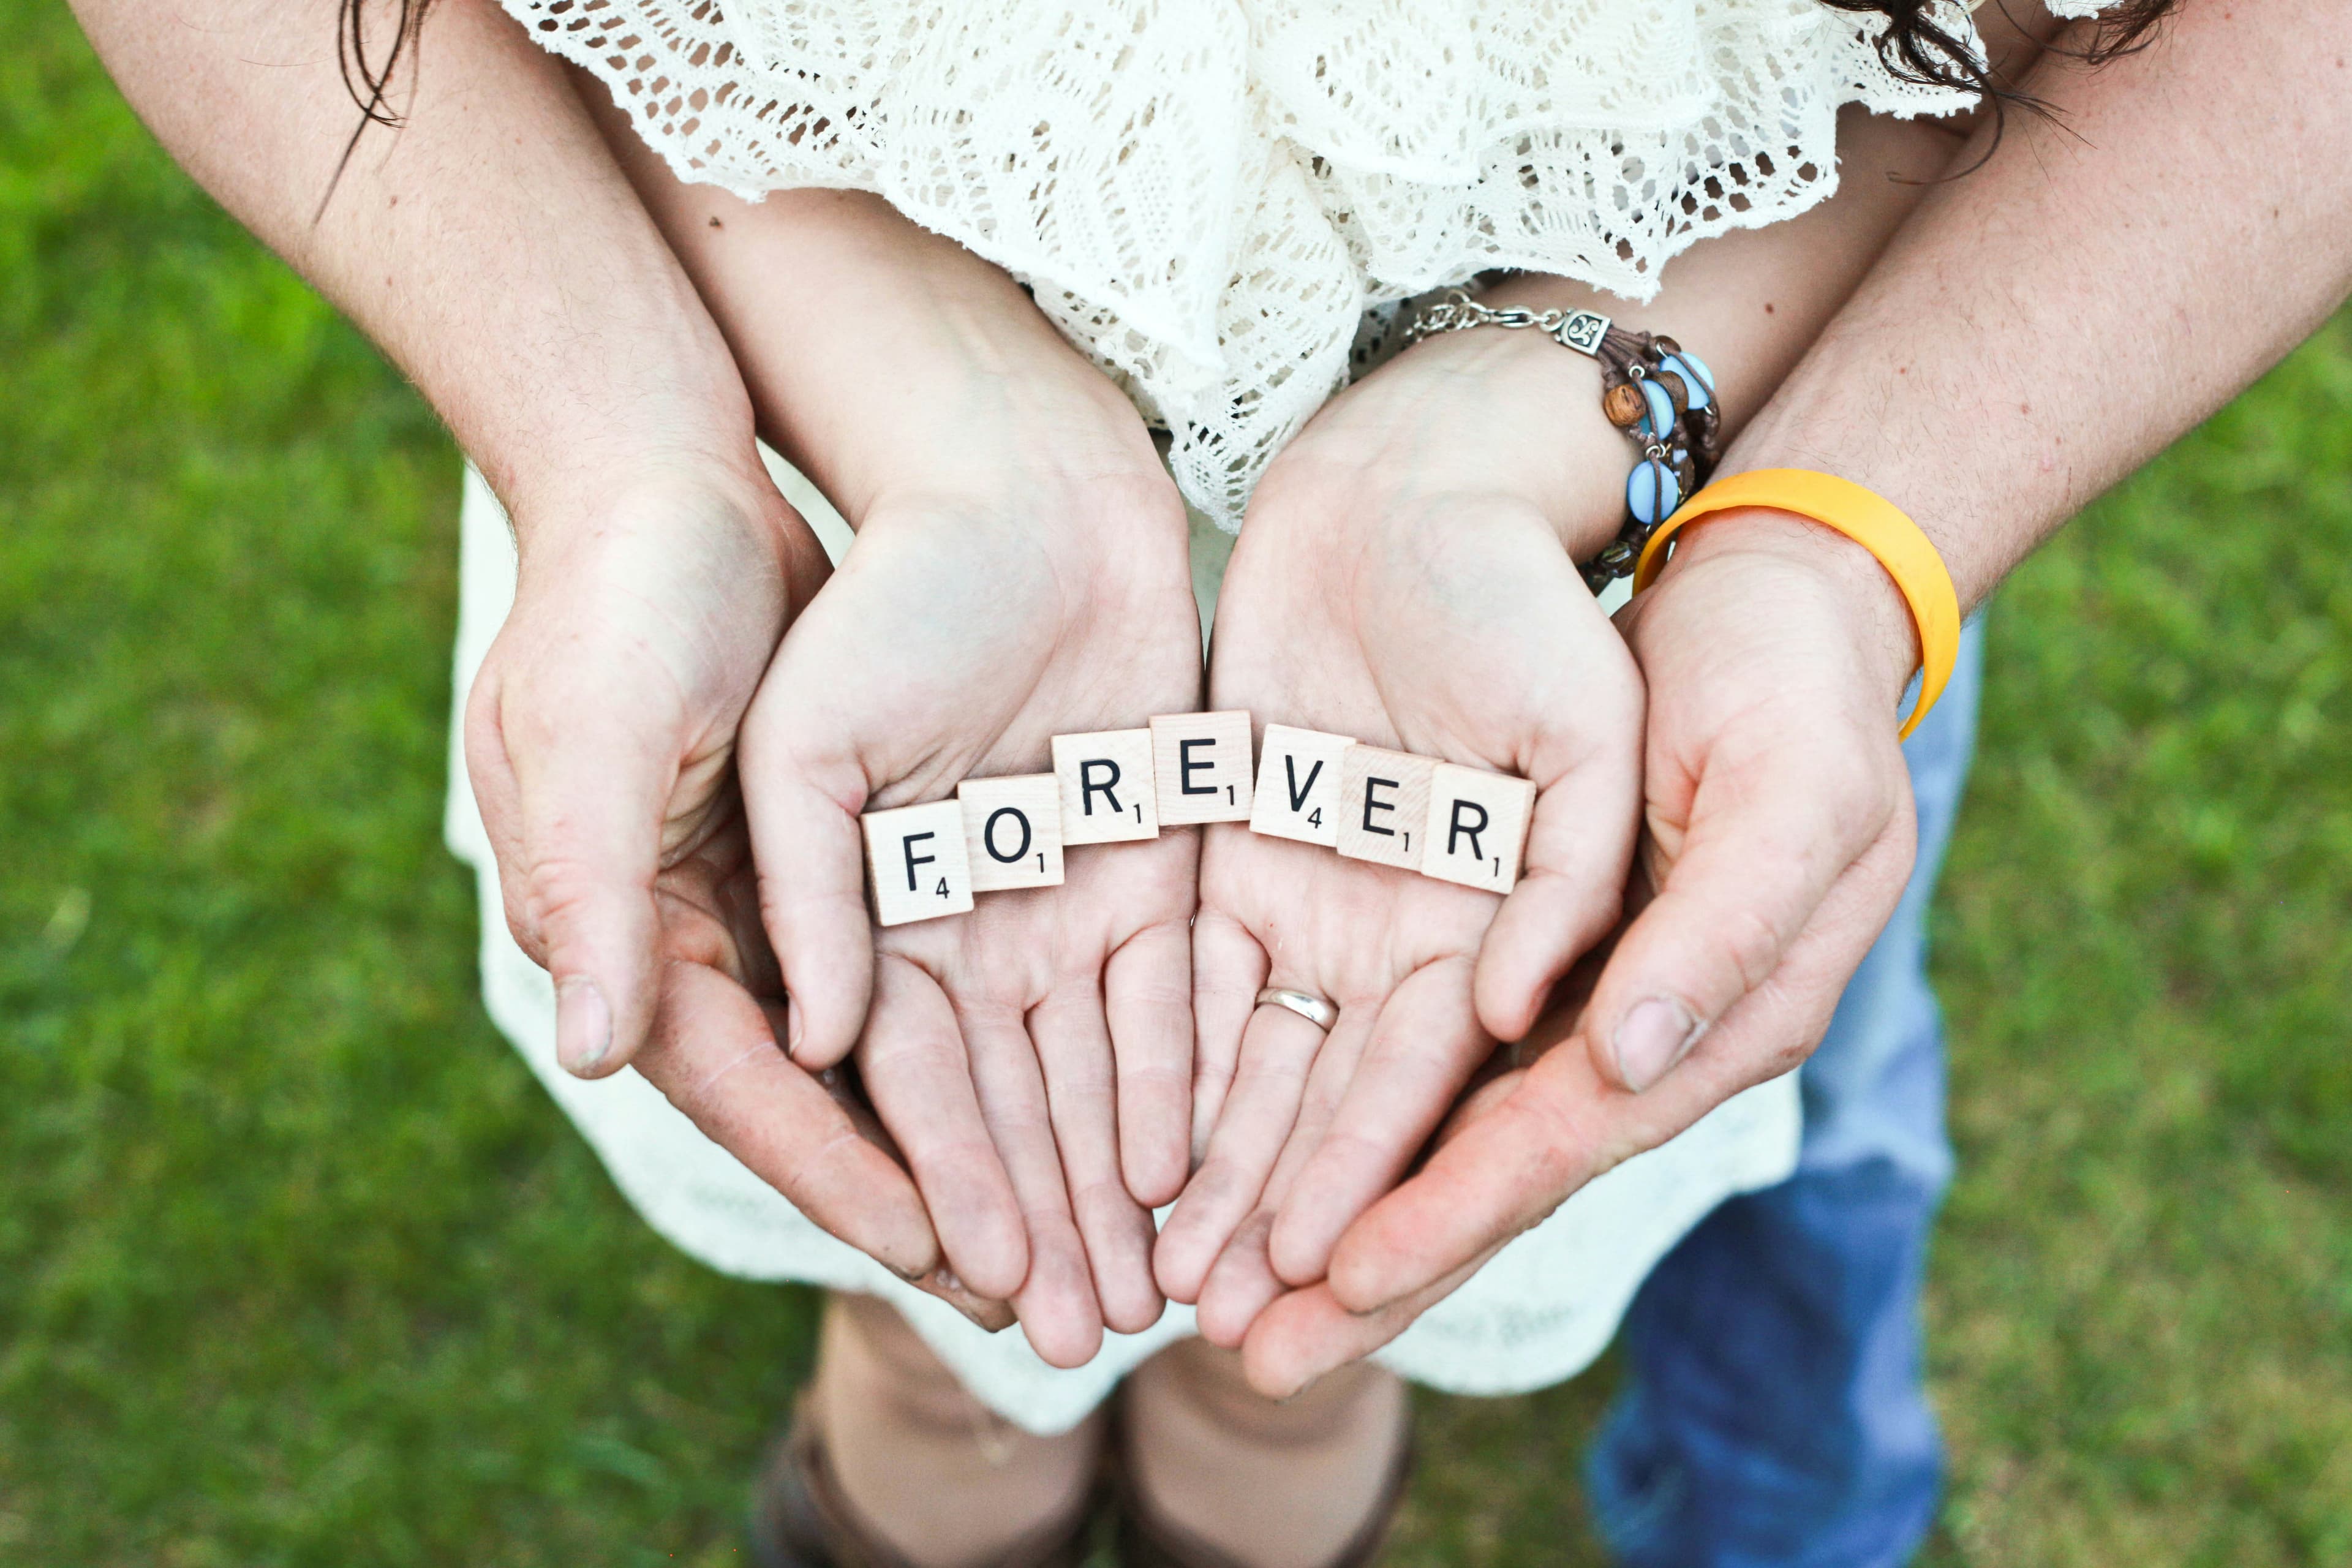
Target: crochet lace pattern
(1210, 197)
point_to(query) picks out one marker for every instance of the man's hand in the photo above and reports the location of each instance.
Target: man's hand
(600, 741)
(1402, 581)
(1777, 838)
(496, 251)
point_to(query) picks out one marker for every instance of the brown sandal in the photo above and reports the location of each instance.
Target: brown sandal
(1145, 1541)
(800, 1518)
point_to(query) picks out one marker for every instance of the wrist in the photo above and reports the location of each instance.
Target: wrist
(624, 450)
(1486, 418)
(1875, 618)
(1093, 542)
(687, 504)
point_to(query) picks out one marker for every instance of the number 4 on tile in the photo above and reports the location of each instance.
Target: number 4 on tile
(916, 866)
(1298, 786)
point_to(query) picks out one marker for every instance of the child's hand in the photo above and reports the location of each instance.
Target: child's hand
(1402, 581)
(1020, 572)
(1025, 1053)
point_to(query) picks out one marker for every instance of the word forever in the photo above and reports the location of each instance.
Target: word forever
(1458, 824)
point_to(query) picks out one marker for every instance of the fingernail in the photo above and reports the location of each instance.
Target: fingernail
(584, 1025)
(993, 1317)
(1301, 1387)
(1651, 1039)
(792, 1029)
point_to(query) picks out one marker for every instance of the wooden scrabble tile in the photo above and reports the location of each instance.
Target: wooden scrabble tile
(1477, 828)
(1013, 832)
(1201, 767)
(915, 862)
(1298, 786)
(1107, 797)
(1384, 806)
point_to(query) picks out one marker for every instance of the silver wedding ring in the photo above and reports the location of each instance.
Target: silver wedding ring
(1315, 1009)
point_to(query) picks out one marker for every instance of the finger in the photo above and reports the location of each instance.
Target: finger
(1277, 1051)
(916, 1072)
(1579, 849)
(1073, 1049)
(1765, 845)
(1056, 1300)
(714, 1057)
(1240, 1284)
(810, 856)
(1564, 1123)
(1148, 996)
(1308, 1333)
(582, 788)
(984, 1312)
(1243, 1280)
(1425, 1046)
(1229, 970)
(848, 1093)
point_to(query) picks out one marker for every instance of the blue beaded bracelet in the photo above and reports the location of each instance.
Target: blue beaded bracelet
(1659, 393)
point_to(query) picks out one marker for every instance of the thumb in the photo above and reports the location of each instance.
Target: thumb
(574, 786)
(810, 856)
(1768, 836)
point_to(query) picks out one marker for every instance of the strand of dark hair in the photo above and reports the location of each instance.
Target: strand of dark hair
(370, 83)
(1915, 48)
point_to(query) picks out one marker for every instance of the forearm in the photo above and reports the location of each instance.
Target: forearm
(1750, 302)
(863, 337)
(491, 246)
(2043, 326)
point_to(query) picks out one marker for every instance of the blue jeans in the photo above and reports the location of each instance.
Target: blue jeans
(1776, 1416)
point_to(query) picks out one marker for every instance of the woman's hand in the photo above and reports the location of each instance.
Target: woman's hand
(1779, 838)
(1403, 580)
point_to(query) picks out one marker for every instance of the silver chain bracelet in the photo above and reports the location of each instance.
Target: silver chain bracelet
(1660, 395)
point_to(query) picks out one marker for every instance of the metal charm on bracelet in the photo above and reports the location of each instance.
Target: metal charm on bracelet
(1658, 392)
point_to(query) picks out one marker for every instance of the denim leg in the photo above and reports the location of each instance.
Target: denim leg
(1775, 1414)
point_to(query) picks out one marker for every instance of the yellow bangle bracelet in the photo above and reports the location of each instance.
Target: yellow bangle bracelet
(1870, 521)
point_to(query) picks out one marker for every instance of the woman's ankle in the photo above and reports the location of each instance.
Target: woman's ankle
(1287, 1484)
(928, 1469)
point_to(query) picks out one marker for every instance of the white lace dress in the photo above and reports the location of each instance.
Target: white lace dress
(1213, 199)
(1538, 1313)
(1208, 196)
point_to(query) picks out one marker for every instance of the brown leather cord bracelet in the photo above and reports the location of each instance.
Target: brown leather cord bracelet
(1658, 392)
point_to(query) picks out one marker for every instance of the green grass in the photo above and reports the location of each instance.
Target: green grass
(297, 1267)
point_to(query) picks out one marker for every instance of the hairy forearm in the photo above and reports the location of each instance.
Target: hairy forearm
(2043, 326)
(1748, 302)
(490, 246)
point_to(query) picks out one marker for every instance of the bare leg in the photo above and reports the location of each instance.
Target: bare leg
(1273, 1484)
(928, 1468)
